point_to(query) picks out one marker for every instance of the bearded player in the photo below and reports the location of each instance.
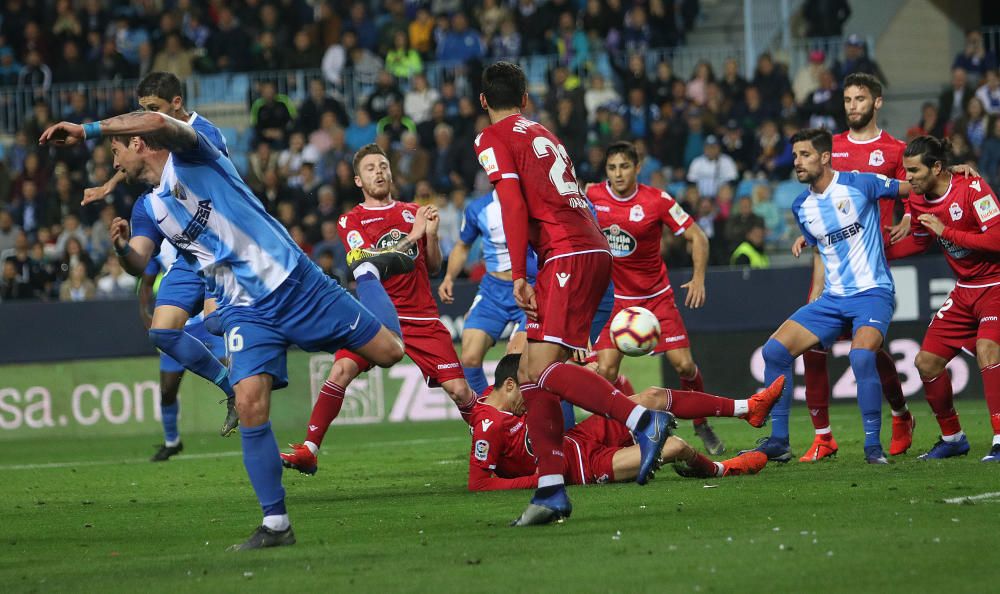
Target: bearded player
(542, 206)
(864, 147)
(598, 450)
(633, 217)
(381, 223)
(961, 213)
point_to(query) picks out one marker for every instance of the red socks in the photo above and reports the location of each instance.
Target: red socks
(624, 385)
(991, 385)
(889, 376)
(694, 384)
(688, 404)
(326, 409)
(817, 387)
(585, 389)
(940, 399)
(703, 465)
(545, 425)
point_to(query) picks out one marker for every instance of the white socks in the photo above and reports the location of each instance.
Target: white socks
(550, 480)
(172, 443)
(634, 416)
(277, 523)
(901, 412)
(955, 438)
(741, 407)
(366, 267)
(312, 447)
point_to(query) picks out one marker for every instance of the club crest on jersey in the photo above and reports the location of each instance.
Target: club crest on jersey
(876, 158)
(955, 211)
(621, 242)
(844, 206)
(482, 450)
(986, 208)
(392, 238)
(636, 214)
(195, 227)
(409, 218)
(179, 192)
(354, 240)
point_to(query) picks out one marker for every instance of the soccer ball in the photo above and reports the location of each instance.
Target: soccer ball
(635, 331)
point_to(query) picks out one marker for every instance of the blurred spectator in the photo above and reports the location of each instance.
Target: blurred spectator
(989, 93)
(73, 67)
(639, 113)
(111, 65)
(73, 255)
(598, 94)
(304, 55)
(8, 232)
(362, 130)
(506, 45)
(570, 43)
(63, 200)
(739, 222)
(734, 144)
(10, 69)
(961, 151)
(362, 25)
(975, 59)
(825, 18)
(421, 32)
(318, 102)
(28, 208)
(750, 252)
(410, 163)
(768, 211)
(732, 84)
(271, 115)
(34, 75)
(272, 192)
(450, 209)
(335, 58)
(637, 34)
(571, 127)
(403, 61)
(229, 44)
(712, 169)
(662, 84)
(929, 124)
(807, 78)
(697, 87)
(461, 44)
(330, 244)
(262, 160)
(77, 286)
(114, 282)
(825, 107)
(71, 230)
(290, 159)
(634, 75)
(344, 187)
(989, 160)
(974, 124)
(694, 143)
(444, 159)
(591, 169)
(752, 111)
(99, 237)
(420, 99)
(12, 286)
(174, 58)
(770, 79)
(773, 161)
(954, 99)
(856, 60)
(395, 123)
(266, 54)
(386, 92)
(666, 143)
(533, 24)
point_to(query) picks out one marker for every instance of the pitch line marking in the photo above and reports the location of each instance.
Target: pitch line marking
(971, 498)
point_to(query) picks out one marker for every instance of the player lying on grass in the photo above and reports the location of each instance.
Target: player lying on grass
(599, 449)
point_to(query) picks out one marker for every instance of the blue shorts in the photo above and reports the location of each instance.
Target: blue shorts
(830, 315)
(308, 310)
(182, 287)
(494, 307)
(603, 313)
(197, 329)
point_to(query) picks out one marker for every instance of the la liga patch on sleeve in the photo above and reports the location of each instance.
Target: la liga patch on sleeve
(482, 449)
(986, 208)
(488, 160)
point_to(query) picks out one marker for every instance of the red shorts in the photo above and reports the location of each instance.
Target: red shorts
(429, 344)
(673, 334)
(590, 450)
(967, 315)
(568, 290)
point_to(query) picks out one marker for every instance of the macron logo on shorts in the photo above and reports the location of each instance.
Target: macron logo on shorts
(563, 278)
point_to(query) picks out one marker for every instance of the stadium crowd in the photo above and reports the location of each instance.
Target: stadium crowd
(717, 140)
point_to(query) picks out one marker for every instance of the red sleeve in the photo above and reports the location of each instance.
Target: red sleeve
(514, 211)
(481, 479)
(672, 215)
(985, 241)
(486, 451)
(350, 233)
(495, 157)
(985, 206)
(911, 245)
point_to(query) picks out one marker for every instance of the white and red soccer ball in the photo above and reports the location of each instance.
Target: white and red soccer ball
(635, 331)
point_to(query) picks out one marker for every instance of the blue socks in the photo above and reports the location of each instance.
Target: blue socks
(869, 393)
(263, 464)
(372, 294)
(192, 354)
(569, 415)
(168, 415)
(778, 361)
(476, 378)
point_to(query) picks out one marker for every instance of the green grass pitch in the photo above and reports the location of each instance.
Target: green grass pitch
(388, 512)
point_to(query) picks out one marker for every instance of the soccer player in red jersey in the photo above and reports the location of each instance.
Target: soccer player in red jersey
(632, 217)
(381, 223)
(541, 205)
(961, 213)
(866, 148)
(598, 450)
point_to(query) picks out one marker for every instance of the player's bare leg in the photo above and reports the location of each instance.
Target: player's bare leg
(260, 457)
(461, 393)
(686, 404)
(517, 342)
(937, 388)
(683, 363)
(475, 344)
(988, 356)
(170, 385)
(687, 461)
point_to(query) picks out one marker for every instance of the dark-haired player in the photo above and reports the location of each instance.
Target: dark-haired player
(863, 147)
(839, 215)
(598, 450)
(633, 217)
(542, 206)
(961, 213)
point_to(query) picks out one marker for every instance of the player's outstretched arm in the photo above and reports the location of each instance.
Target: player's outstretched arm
(133, 252)
(174, 135)
(98, 193)
(984, 241)
(481, 479)
(456, 262)
(698, 241)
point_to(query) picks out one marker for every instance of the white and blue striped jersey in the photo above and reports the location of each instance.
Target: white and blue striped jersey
(843, 223)
(482, 219)
(204, 209)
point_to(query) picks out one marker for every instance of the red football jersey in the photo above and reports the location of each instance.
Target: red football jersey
(559, 221)
(383, 227)
(968, 205)
(634, 227)
(882, 154)
(500, 448)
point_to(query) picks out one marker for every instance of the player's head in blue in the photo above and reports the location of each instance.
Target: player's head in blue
(505, 90)
(506, 393)
(862, 100)
(372, 174)
(621, 165)
(813, 149)
(925, 161)
(162, 92)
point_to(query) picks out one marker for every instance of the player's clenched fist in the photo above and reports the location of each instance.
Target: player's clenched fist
(524, 295)
(119, 232)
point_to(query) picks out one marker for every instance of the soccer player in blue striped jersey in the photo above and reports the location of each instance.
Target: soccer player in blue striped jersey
(493, 308)
(839, 216)
(270, 294)
(181, 295)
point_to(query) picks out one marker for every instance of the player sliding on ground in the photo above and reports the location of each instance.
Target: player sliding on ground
(633, 217)
(278, 297)
(542, 206)
(381, 223)
(961, 213)
(599, 450)
(839, 215)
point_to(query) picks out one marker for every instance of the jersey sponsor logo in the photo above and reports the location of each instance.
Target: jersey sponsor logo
(636, 214)
(844, 206)
(843, 233)
(679, 214)
(955, 251)
(482, 450)
(986, 208)
(158, 221)
(449, 365)
(372, 220)
(876, 158)
(563, 278)
(516, 427)
(354, 239)
(844, 154)
(602, 208)
(488, 161)
(955, 211)
(393, 237)
(194, 228)
(409, 218)
(989, 319)
(622, 243)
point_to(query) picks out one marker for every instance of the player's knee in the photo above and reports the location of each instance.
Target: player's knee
(389, 350)
(252, 406)
(164, 338)
(686, 369)
(775, 353)
(863, 363)
(471, 358)
(987, 353)
(675, 448)
(608, 371)
(928, 366)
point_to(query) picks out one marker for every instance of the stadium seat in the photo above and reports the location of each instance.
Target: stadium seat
(676, 189)
(745, 188)
(231, 135)
(786, 192)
